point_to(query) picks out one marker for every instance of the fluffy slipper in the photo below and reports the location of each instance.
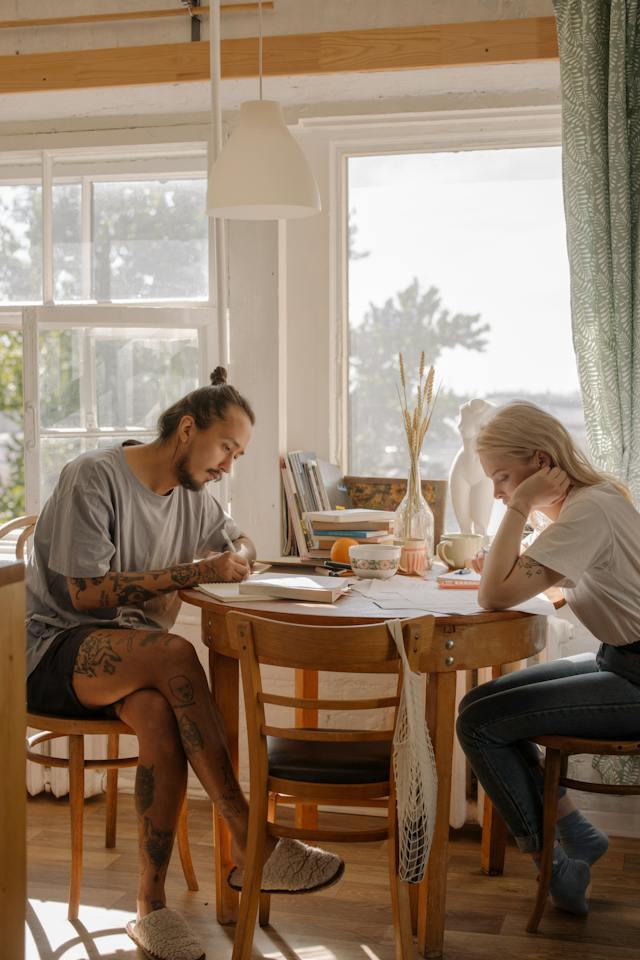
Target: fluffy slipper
(163, 935)
(293, 867)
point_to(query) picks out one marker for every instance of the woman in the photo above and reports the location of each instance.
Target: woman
(588, 546)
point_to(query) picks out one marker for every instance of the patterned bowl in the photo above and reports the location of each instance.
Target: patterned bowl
(376, 561)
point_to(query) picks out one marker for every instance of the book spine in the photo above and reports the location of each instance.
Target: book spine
(295, 515)
(301, 481)
(296, 474)
(323, 498)
(308, 468)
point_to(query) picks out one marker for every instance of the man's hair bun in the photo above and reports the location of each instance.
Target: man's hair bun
(218, 376)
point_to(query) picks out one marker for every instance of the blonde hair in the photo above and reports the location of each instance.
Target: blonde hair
(519, 429)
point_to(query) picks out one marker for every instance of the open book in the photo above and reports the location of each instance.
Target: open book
(317, 589)
(228, 592)
(274, 587)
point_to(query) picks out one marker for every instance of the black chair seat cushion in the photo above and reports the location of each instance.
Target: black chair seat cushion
(329, 762)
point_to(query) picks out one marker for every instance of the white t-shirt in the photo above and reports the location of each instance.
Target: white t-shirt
(595, 545)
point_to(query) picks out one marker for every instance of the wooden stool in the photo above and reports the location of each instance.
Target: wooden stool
(559, 749)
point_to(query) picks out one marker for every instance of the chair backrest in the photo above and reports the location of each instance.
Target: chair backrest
(385, 493)
(26, 526)
(344, 649)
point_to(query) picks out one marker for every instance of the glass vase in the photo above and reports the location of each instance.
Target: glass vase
(413, 518)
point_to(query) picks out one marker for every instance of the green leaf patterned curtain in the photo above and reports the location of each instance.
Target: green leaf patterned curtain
(599, 43)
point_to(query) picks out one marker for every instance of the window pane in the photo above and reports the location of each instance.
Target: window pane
(461, 255)
(150, 240)
(55, 452)
(12, 502)
(20, 244)
(59, 364)
(141, 372)
(67, 242)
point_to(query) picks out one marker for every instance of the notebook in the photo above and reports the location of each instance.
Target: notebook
(464, 579)
(228, 592)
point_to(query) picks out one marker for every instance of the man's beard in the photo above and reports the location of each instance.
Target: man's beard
(184, 476)
(186, 479)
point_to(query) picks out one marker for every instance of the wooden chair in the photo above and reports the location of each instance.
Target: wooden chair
(558, 751)
(335, 766)
(52, 728)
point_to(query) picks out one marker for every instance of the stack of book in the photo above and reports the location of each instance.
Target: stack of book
(308, 484)
(365, 526)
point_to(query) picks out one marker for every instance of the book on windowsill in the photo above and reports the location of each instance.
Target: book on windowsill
(315, 589)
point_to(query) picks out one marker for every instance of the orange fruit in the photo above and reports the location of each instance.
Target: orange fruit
(340, 549)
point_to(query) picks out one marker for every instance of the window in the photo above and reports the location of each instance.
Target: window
(461, 255)
(20, 243)
(130, 240)
(128, 230)
(12, 502)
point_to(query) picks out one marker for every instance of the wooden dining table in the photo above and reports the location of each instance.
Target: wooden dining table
(462, 642)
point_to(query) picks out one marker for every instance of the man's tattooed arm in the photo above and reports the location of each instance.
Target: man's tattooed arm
(127, 589)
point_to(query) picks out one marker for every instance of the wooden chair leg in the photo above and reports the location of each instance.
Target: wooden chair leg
(113, 741)
(250, 896)
(76, 810)
(400, 898)
(494, 840)
(414, 902)
(265, 898)
(184, 848)
(552, 767)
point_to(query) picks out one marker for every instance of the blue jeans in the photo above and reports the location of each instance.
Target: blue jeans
(576, 697)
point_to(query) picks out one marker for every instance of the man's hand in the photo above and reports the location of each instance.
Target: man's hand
(225, 567)
(547, 486)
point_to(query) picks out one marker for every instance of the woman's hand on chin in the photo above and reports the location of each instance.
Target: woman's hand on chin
(547, 486)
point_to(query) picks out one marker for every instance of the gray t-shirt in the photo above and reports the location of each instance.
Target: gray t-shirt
(101, 518)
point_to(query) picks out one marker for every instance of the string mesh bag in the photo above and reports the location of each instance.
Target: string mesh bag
(414, 768)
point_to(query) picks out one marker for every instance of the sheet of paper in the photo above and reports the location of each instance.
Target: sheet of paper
(405, 593)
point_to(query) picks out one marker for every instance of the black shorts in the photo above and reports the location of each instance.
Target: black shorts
(49, 686)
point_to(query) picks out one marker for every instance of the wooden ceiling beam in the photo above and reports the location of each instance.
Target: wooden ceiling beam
(390, 48)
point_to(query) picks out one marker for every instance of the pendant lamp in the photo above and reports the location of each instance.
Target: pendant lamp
(261, 172)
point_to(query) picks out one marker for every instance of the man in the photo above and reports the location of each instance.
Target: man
(114, 543)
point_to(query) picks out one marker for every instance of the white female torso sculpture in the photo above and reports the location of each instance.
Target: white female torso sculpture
(471, 491)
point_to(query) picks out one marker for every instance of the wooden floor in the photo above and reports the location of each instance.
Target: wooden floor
(485, 916)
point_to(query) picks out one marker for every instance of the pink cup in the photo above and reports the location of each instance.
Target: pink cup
(413, 556)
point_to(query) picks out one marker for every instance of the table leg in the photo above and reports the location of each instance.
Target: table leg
(441, 697)
(494, 829)
(223, 672)
(306, 687)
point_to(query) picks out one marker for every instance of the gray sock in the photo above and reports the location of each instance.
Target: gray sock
(569, 882)
(579, 839)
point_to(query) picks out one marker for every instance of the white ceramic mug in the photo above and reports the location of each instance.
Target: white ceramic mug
(456, 548)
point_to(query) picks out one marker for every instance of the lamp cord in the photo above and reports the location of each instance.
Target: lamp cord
(260, 45)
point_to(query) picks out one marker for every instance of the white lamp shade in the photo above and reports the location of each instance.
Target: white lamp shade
(261, 172)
